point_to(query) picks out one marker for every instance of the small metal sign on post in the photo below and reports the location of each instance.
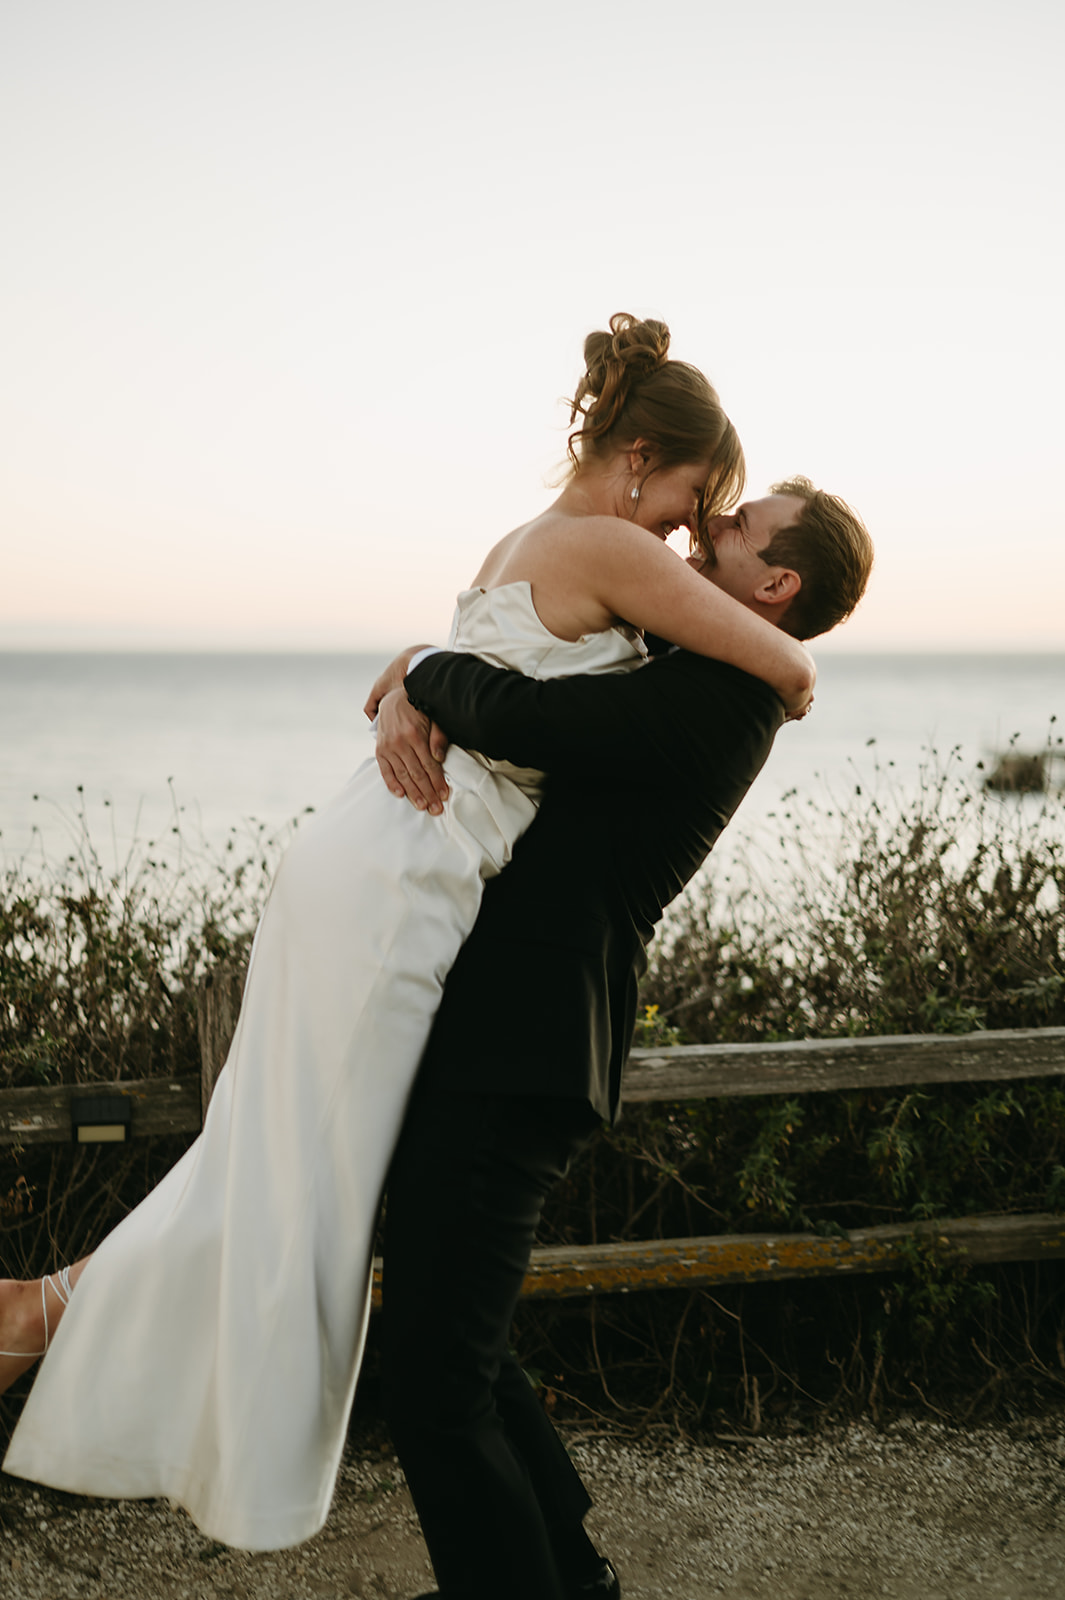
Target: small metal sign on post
(100, 1118)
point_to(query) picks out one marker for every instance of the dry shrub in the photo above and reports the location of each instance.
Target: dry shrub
(940, 911)
(944, 911)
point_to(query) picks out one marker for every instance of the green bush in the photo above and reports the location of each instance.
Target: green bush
(943, 912)
(99, 966)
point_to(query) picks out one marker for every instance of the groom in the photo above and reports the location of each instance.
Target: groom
(525, 1058)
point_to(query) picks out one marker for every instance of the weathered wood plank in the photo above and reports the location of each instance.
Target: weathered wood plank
(807, 1066)
(750, 1258)
(42, 1116)
(579, 1270)
(688, 1072)
(217, 1008)
(705, 1072)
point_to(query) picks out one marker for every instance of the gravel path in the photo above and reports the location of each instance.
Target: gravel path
(916, 1511)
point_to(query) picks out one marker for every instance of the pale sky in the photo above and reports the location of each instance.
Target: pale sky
(290, 290)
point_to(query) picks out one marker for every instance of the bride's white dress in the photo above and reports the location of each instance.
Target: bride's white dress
(210, 1349)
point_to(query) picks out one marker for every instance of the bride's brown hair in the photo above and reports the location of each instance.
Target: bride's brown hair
(631, 390)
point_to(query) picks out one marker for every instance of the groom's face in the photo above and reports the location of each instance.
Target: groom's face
(732, 556)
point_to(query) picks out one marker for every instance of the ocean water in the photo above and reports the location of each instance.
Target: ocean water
(214, 743)
(142, 742)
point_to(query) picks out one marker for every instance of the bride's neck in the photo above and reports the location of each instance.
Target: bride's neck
(594, 491)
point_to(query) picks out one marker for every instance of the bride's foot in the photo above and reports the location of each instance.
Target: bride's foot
(29, 1316)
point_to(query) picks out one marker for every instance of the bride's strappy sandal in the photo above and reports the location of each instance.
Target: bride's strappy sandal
(62, 1286)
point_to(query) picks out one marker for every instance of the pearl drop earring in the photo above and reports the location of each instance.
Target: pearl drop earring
(634, 492)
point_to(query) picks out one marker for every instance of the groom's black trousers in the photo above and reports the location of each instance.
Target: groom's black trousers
(499, 1500)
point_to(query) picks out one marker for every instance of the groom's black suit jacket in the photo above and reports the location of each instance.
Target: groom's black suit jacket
(644, 769)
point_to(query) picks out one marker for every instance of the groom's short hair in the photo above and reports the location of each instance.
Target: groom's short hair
(830, 548)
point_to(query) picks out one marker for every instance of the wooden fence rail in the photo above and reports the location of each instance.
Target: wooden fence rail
(687, 1072)
(573, 1272)
(760, 1257)
(43, 1116)
(809, 1066)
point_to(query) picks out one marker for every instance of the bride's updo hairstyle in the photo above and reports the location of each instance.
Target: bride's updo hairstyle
(631, 390)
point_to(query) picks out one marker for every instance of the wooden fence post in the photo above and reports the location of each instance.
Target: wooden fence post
(217, 1008)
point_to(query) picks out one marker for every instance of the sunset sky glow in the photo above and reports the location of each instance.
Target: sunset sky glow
(290, 293)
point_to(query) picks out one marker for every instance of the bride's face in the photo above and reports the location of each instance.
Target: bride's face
(669, 498)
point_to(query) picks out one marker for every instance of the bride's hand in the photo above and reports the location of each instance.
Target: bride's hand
(797, 716)
(391, 678)
(798, 704)
(410, 749)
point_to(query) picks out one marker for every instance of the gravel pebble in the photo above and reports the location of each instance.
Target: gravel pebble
(916, 1510)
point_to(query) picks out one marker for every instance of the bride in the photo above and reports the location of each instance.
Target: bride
(211, 1350)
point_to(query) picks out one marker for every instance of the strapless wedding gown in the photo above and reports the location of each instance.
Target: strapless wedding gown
(210, 1349)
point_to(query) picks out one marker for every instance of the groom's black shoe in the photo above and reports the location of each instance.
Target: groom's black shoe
(604, 1586)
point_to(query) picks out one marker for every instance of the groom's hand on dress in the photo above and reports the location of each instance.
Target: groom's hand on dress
(410, 749)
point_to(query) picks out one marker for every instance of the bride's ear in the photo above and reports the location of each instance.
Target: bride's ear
(641, 456)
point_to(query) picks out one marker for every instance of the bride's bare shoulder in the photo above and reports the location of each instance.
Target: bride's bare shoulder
(599, 539)
(556, 542)
(523, 546)
(495, 562)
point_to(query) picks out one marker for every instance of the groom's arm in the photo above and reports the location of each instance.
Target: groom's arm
(581, 724)
(511, 717)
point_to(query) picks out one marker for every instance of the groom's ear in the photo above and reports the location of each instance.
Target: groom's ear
(778, 588)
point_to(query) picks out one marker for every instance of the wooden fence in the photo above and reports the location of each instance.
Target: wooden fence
(687, 1072)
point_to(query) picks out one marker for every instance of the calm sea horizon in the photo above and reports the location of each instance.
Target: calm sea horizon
(238, 741)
